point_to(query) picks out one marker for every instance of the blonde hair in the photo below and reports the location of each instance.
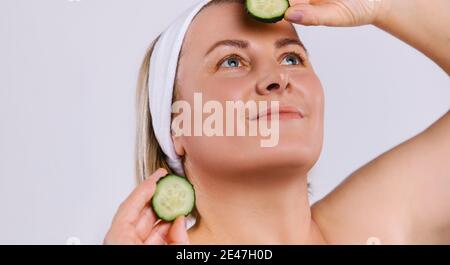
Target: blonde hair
(148, 153)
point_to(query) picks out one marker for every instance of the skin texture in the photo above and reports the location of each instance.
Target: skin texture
(246, 194)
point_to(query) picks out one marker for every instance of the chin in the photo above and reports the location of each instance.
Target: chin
(297, 155)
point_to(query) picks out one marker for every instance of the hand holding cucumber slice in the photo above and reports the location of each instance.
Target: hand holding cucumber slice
(268, 11)
(174, 196)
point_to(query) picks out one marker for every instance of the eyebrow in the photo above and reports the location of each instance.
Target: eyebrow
(242, 44)
(288, 41)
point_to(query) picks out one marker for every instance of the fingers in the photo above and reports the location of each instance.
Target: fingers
(145, 222)
(315, 15)
(158, 235)
(169, 233)
(130, 210)
(178, 233)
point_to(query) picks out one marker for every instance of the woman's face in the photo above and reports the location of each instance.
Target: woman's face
(255, 62)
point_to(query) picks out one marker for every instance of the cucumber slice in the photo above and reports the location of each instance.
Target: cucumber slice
(268, 11)
(174, 196)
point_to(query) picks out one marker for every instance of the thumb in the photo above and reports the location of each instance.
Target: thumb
(177, 234)
(315, 15)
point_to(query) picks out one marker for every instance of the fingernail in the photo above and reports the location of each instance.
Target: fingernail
(295, 16)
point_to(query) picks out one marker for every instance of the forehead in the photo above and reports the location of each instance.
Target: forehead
(231, 21)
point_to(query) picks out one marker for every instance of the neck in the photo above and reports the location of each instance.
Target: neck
(256, 209)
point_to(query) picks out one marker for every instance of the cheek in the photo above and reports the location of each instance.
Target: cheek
(223, 88)
(316, 99)
(311, 95)
(310, 91)
(317, 102)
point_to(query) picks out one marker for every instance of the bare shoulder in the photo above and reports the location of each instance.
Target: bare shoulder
(402, 196)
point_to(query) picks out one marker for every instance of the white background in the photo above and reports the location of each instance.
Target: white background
(67, 84)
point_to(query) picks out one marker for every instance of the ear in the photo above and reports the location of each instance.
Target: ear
(178, 144)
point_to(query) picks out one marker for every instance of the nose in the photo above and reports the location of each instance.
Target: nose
(276, 81)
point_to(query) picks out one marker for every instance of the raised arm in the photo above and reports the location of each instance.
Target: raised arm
(402, 196)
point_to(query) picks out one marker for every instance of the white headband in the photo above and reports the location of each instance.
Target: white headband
(163, 67)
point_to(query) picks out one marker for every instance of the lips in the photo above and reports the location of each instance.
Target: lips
(284, 112)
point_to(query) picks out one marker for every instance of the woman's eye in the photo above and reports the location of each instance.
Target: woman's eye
(232, 62)
(292, 59)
